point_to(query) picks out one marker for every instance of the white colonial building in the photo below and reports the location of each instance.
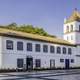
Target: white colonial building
(29, 51)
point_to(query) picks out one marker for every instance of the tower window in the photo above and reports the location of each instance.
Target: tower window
(71, 37)
(67, 38)
(71, 27)
(67, 29)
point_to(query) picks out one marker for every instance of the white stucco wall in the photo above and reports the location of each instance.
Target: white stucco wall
(9, 57)
(75, 40)
(74, 23)
(1, 51)
(75, 35)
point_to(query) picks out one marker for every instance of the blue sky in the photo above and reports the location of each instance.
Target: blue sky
(48, 14)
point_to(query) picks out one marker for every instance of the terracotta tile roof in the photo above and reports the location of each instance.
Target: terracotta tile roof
(19, 34)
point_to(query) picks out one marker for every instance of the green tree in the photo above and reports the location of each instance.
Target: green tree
(28, 29)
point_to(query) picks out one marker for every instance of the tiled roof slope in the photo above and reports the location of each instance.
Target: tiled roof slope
(74, 17)
(19, 34)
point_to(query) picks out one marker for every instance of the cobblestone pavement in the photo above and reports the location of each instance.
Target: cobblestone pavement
(42, 75)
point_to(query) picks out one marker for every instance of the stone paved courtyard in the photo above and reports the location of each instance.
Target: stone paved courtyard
(42, 75)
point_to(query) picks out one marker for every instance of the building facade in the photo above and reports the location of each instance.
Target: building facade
(20, 50)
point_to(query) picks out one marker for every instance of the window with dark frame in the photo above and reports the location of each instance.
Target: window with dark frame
(64, 50)
(52, 49)
(79, 28)
(71, 37)
(71, 27)
(37, 63)
(9, 44)
(69, 51)
(67, 38)
(19, 45)
(61, 60)
(58, 50)
(20, 63)
(67, 29)
(72, 60)
(29, 46)
(45, 48)
(37, 47)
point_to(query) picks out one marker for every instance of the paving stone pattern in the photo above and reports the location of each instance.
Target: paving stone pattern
(43, 75)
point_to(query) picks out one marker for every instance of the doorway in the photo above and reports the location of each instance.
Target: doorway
(67, 63)
(29, 63)
(52, 63)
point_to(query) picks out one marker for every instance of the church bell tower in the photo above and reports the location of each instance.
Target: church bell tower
(72, 28)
